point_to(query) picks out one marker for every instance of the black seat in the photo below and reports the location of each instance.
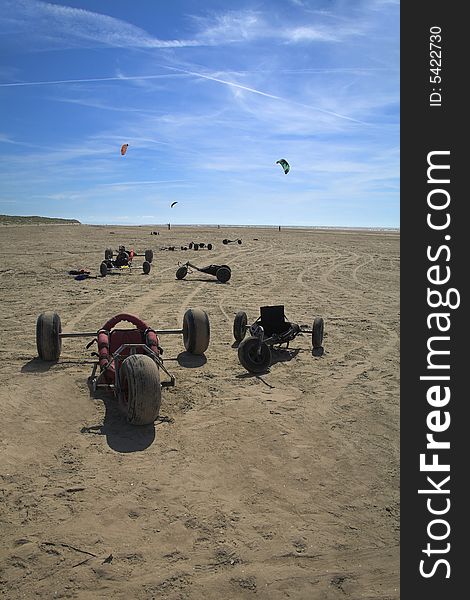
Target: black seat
(273, 320)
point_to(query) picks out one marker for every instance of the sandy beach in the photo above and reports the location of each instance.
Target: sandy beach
(284, 485)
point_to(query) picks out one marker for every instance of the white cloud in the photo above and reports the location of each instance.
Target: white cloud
(65, 26)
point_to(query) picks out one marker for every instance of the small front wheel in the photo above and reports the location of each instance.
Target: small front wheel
(254, 355)
(182, 272)
(140, 389)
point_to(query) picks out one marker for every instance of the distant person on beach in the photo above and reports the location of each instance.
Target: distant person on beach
(279, 228)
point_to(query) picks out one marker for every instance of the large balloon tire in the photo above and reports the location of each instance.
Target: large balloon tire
(195, 246)
(196, 331)
(190, 245)
(103, 269)
(108, 253)
(140, 389)
(182, 272)
(148, 255)
(225, 242)
(251, 359)
(146, 267)
(317, 333)
(48, 340)
(239, 241)
(209, 246)
(223, 274)
(239, 326)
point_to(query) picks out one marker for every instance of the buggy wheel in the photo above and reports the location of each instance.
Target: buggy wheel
(148, 255)
(190, 245)
(48, 341)
(108, 253)
(146, 267)
(239, 241)
(209, 246)
(254, 355)
(317, 333)
(239, 326)
(182, 272)
(196, 246)
(103, 269)
(196, 330)
(225, 242)
(140, 392)
(223, 274)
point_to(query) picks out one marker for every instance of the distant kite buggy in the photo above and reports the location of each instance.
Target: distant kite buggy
(226, 241)
(284, 164)
(124, 148)
(123, 261)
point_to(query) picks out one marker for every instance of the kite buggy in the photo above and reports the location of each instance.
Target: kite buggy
(271, 329)
(221, 272)
(129, 360)
(123, 260)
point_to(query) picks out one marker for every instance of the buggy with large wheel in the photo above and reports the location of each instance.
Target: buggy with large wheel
(270, 330)
(129, 360)
(221, 272)
(123, 260)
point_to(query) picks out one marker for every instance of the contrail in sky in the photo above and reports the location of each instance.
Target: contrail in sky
(184, 71)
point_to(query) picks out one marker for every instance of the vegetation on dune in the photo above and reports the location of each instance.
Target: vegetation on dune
(35, 220)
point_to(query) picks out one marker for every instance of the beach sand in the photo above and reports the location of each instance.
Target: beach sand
(279, 486)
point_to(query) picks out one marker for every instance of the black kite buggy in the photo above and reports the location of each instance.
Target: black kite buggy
(271, 329)
(221, 272)
(129, 361)
(195, 246)
(124, 261)
(226, 241)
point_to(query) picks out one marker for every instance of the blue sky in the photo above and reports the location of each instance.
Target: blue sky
(208, 95)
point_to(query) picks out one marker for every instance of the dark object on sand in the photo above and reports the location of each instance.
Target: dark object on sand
(197, 246)
(271, 329)
(221, 272)
(129, 360)
(226, 241)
